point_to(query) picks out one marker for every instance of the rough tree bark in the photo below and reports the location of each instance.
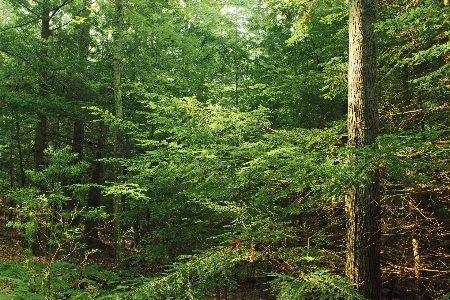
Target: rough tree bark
(362, 202)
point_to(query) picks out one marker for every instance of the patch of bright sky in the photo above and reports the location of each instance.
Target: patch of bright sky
(5, 13)
(238, 15)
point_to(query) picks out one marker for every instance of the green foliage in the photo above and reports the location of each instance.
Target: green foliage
(309, 277)
(413, 64)
(19, 281)
(227, 136)
(248, 180)
(288, 77)
(226, 175)
(446, 297)
(318, 284)
(195, 276)
(47, 210)
(14, 284)
(397, 152)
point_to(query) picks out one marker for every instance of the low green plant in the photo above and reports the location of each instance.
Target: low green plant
(316, 284)
(194, 276)
(15, 282)
(68, 281)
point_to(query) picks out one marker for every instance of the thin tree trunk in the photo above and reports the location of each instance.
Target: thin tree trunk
(39, 245)
(40, 139)
(362, 203)
(235, 57)
(11, 180)
(94, 196)
(20, 152)
(118, 140)
(417, 266)
(21, 167)
(84, 34)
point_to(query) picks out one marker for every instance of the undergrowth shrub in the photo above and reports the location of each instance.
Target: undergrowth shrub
(15, 282)
(69, 281)
(297, 276)
(194, 276)
(316, 284)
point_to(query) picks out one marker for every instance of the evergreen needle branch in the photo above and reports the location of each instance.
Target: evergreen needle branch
(444, 106)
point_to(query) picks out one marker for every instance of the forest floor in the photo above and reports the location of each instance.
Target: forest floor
(12, 245)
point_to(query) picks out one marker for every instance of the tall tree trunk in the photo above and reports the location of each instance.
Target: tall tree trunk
(20, 153)
(118, 140)
(39, 245)
(362, 203)
(83, 46)
(40, 138)
(94, 196)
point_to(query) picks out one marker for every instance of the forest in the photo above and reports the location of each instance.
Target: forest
(224, 149)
